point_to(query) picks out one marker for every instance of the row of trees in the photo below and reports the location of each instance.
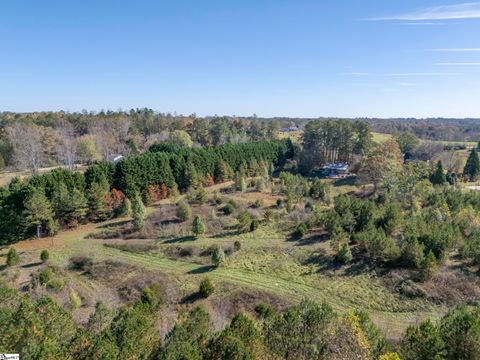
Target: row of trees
(41, 329)
(62, 198)
(333, 141)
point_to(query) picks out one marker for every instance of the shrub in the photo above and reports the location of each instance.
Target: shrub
(237, 245)
(228, 209)
(258, 203)
(184, 212)
(244, 221)
(301, 230)
(44, 256)
(56, 284)
(254, 225)
(153, 295)
(264, 310)
(75, 299)
(45, 276)
(12, 257)
(202, 196)
(206, 288)
(125, 208)
(81, 263)
(139, 213)
(218, 256)
(344, 255)
(198, 227)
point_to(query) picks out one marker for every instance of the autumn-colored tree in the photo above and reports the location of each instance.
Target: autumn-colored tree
(381, 164)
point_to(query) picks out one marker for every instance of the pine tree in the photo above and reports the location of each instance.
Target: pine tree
(218, 256)
(37, 210)
(184, 212)
(44, 256)
(139, 212)
(97, 196)
(12, 257)
(438, 176)
(472, 167)
(198, 227)
(244, 221)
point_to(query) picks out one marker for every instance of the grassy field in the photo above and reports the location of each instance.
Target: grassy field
(269, 263)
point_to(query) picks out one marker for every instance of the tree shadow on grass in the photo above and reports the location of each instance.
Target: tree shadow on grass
(31, 265)
(189, 299)
(114, 224)
(201, 270)
(180, 239)
(226, 234)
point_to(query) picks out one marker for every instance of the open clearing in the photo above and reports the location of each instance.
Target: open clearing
(268, 262)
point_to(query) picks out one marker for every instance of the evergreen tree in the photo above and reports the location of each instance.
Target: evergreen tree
(218, 256)
(44, 256)
(37, 210)
(472, 167)
(438, 177)
(198, 227)
(126, 208)
(139, 212)
(97, 196)
(206, 288)
(12, 257)
(244, 221)
(184, 212)
(423, 343)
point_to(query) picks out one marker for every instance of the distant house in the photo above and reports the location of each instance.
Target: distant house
(290, 128)
(335, 170)
(118, 158)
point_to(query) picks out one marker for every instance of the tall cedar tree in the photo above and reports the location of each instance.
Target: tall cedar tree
(438, 177)
(198, 227)
(37, 210)
(472, 167)
(139, 212)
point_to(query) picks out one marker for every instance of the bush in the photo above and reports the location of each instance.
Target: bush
(81, 263)
(139, 213)
(258, 203)
(202, 196)
(153, 295)
(237, 245)
(301, 230)
(44, 256)
(228, 209)
(125, 208)
(344, 255)
(12, 257)
(218, 256)
(184, 212)
(198, 227)
(264, 310)
(244, 221)
(45, 276)
(75, 299)
(254, 225)
(206, 288)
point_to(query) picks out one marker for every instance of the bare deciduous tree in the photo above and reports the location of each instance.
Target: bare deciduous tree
(67, 148)
(27, 145)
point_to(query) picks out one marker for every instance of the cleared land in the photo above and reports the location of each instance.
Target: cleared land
(270, 267)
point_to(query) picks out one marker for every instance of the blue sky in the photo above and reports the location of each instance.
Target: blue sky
(270, 57)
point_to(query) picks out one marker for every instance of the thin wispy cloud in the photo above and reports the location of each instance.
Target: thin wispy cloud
(405, 74)
(455, 50)
(459, 64)
(469, 10)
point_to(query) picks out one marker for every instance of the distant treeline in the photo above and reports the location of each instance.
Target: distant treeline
(62, 198)
(29, 141)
